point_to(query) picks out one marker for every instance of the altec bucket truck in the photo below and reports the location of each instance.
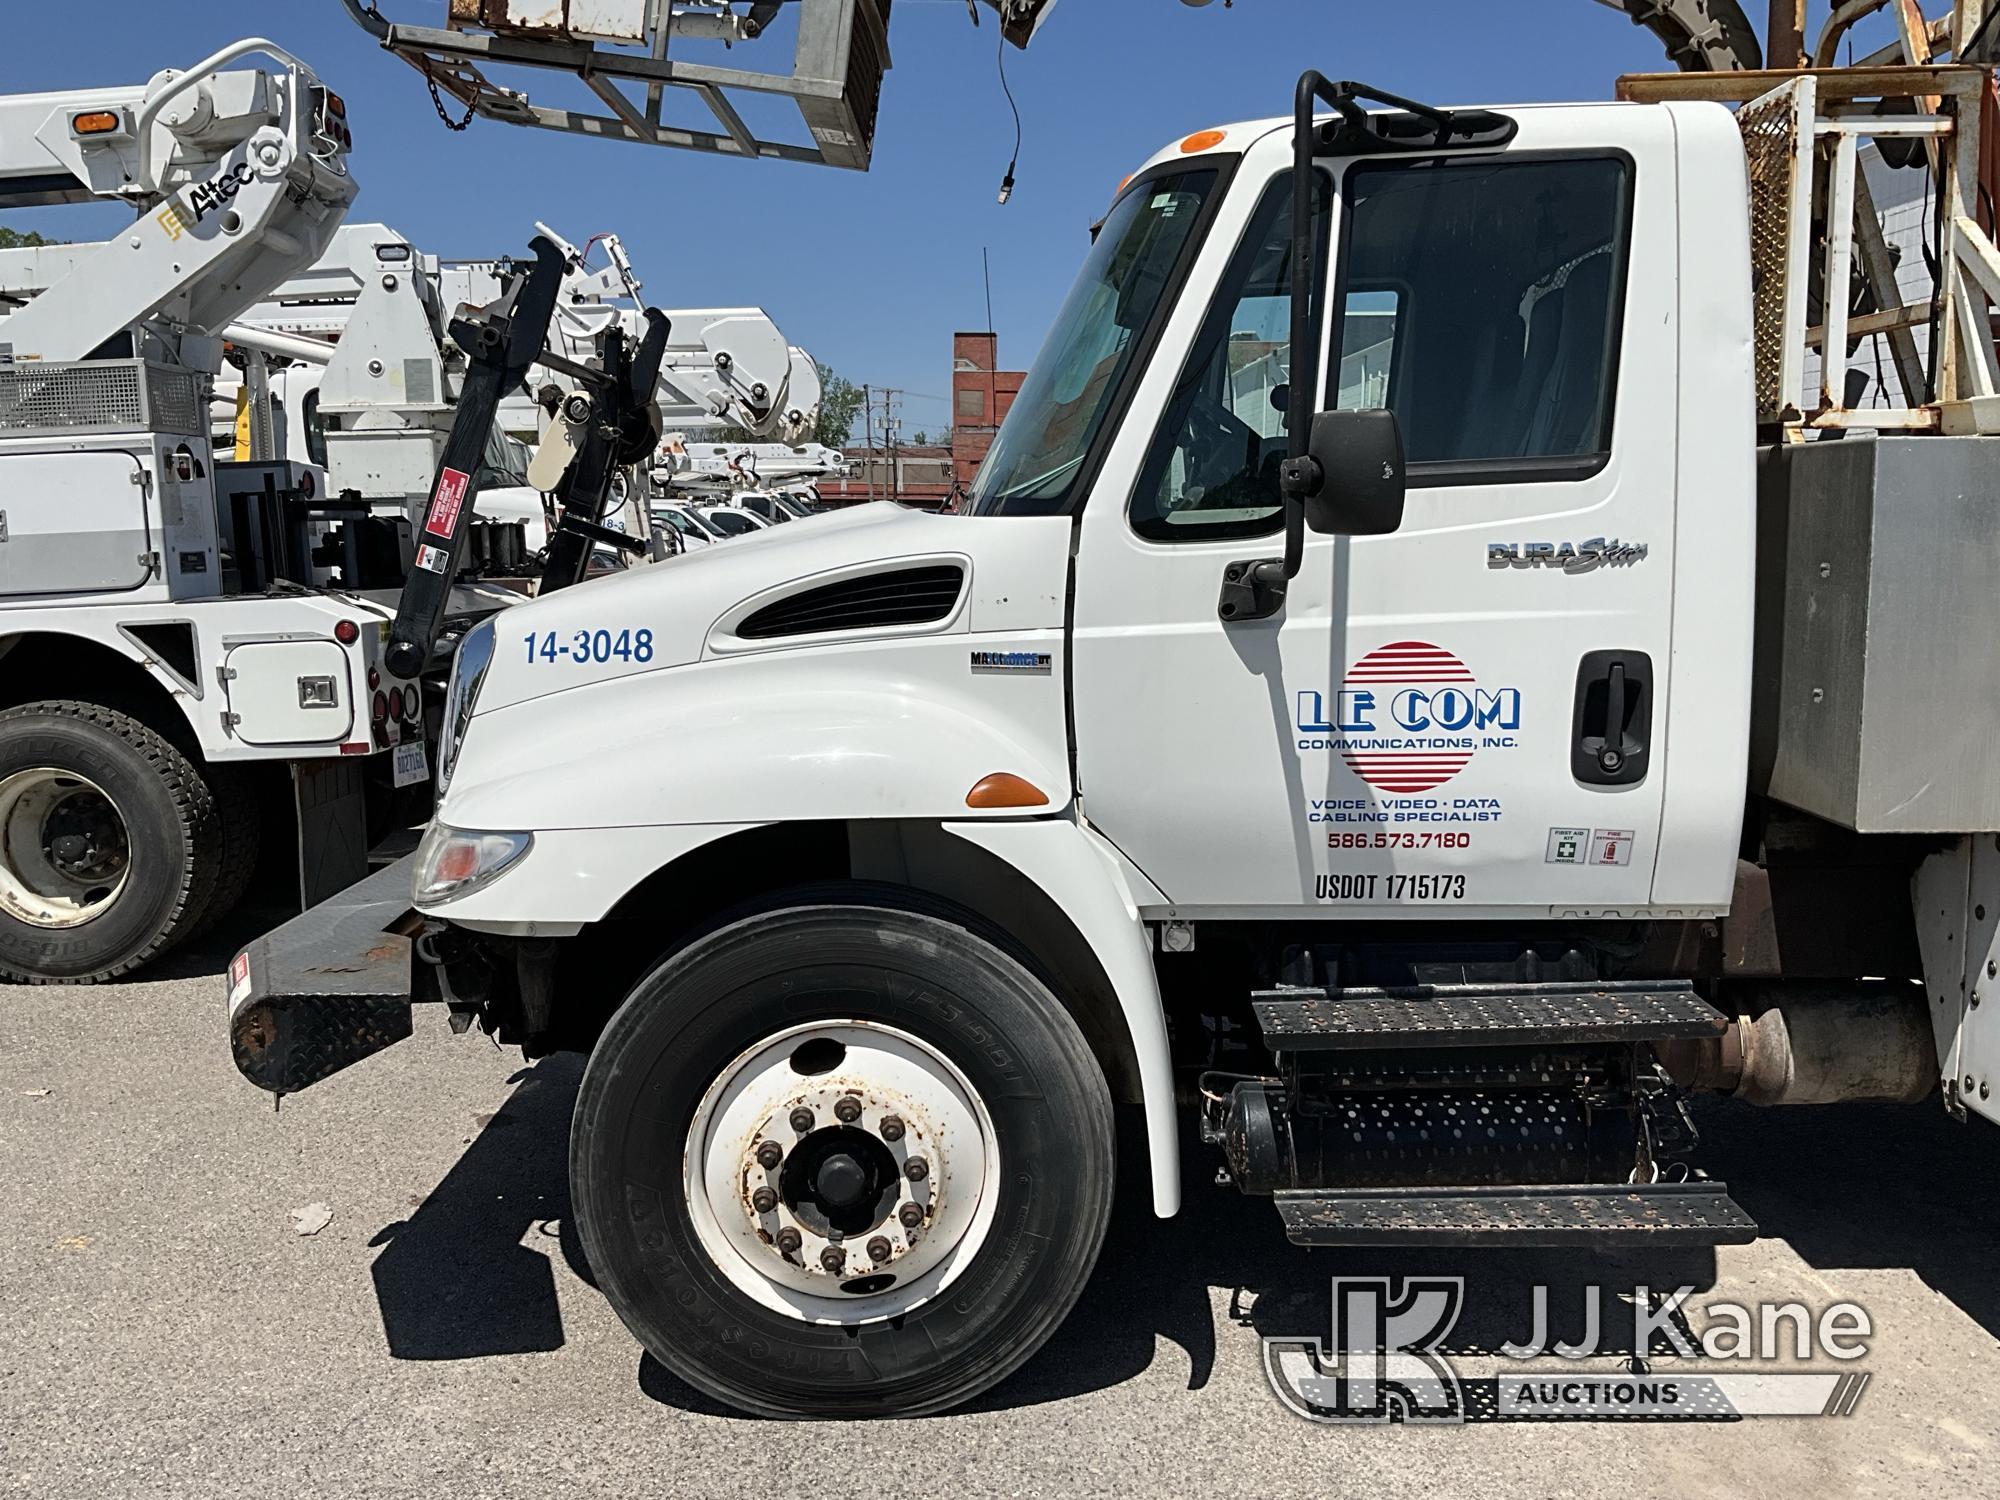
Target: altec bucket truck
(151, 666)
(372, 385)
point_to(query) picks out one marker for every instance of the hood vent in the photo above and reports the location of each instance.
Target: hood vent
(874, 601)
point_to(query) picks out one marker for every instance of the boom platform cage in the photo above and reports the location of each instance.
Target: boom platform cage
(1827, 282)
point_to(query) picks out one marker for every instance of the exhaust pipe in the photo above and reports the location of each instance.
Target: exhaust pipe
(1815, 1044)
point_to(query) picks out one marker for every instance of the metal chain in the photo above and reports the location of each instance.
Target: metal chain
(438, 105)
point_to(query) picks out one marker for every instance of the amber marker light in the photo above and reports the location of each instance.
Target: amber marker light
(1201, 140)
(1005, 789)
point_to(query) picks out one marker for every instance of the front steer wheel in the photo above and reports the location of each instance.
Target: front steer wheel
(110, 847)
(841, 1160)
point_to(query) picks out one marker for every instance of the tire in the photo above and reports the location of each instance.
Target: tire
(242, 841)
(72, 923)
(1015, 1209)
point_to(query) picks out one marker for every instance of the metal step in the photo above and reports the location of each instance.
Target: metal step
(1473, 1015)
(1660, 1213)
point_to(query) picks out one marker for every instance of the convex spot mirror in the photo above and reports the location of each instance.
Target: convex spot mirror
(1360, 459)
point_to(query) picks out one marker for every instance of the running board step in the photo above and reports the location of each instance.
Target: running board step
(1660, 1213)
(1473, 1015)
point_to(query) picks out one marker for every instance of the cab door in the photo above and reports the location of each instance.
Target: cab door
(1458, 718)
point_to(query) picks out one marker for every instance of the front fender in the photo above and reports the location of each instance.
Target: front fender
(1079, 872)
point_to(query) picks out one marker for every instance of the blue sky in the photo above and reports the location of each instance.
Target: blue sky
(873, 271)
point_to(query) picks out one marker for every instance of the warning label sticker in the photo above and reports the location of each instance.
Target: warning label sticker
(431, 558)
(1611, 846)
(445, 503)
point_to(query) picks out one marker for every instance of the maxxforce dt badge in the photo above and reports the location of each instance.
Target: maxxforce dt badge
(1011, 661)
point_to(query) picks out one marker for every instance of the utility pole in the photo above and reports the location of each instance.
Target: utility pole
(868, 428)
(890, 425)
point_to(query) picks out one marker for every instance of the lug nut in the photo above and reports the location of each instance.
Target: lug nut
(847, 1111)
(892, 1127)
(878, 1249)
(769, 1155)
(763, 1200)
(832, 1259)
(789, 1240)
(802, 1119)
(910, 1216)
(916, 1169)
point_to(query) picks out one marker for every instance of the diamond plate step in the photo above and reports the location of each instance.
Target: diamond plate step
(1661, 1213)
(1467, 1015)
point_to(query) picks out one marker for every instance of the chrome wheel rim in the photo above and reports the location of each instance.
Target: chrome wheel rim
(841, 1172)
(65, 851)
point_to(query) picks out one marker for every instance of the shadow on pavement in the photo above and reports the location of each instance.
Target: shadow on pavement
(1870, 1186)
(1855, 1186)
(457, 1280)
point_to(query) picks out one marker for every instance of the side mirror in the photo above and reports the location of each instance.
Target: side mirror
(1348, 482)
(1359, 456)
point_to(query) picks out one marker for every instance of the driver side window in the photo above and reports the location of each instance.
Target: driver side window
(1213, 469)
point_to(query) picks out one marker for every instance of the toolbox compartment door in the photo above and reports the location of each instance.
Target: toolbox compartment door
(278, 689)
(74, 523)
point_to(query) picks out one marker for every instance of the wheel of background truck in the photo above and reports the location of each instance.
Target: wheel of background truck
(805, 1128)
(109, 843)
(242, 840)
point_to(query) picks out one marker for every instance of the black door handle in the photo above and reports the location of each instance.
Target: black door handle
(1611, 724)
(1611, 750)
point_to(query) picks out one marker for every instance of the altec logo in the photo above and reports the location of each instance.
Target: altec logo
(1409, 717)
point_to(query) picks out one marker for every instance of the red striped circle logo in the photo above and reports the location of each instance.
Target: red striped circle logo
(1388, 670)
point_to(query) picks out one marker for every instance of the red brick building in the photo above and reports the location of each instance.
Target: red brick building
(924, 475)
(981, 393)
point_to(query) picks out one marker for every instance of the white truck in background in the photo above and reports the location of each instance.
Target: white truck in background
(196, 651)
(363, 379)
(146, 686)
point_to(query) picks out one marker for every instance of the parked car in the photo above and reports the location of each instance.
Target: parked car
(731, 520)
(693, 532)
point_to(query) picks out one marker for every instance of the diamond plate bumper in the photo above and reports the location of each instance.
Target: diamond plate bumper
(328, 988)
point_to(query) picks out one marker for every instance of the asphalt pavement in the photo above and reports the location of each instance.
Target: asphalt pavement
(167, 1329)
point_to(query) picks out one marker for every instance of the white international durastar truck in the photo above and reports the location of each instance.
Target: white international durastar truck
(1427, 682)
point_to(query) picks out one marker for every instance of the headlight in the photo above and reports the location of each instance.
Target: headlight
(453, 862)
(468, 670)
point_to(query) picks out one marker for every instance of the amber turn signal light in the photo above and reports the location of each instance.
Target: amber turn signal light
(96, 122)
(1005, 789)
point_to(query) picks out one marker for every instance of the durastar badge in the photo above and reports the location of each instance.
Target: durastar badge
(1570, 557)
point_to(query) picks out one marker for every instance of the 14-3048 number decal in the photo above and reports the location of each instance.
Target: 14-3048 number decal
(589, 646)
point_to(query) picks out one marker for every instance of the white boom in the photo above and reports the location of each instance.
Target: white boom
(238, 179)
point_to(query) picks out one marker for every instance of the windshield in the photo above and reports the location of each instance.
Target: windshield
(1067, 395)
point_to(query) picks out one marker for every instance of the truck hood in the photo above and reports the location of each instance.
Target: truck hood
(884, 570)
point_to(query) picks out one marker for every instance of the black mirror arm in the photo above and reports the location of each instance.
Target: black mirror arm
(1300, 476)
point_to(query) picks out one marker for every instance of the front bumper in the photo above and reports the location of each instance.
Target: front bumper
(328, 988)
